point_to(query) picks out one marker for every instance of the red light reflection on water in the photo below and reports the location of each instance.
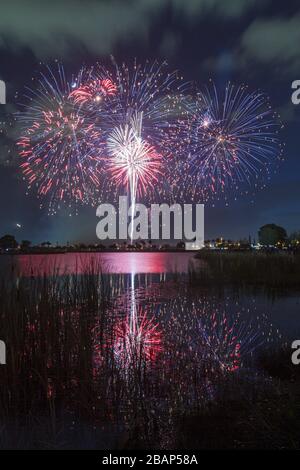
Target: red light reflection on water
(120, 263)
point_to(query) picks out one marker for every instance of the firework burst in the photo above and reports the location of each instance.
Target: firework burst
(124, 128)
(133, 340)
(232, 140)
(93, 90)
(133, 162)
(145, 113)
(60, 145)
(150, 90)
(222, 336)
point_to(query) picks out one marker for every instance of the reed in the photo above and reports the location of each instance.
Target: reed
(64, 387)
(258, 269)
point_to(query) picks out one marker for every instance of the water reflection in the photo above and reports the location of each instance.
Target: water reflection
(134, 351)
(121, 263)
(166, 325)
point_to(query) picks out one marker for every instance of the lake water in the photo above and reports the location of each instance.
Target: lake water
(121, 263)
(143, 271)
(120, 342)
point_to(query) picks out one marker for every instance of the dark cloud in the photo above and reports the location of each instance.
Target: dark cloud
(274, 41)
(48, 28)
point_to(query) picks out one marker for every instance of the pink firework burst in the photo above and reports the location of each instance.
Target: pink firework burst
(133, 162)
(93, 91)
(59, 146)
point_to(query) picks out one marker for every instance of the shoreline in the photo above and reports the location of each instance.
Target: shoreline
(64, 252)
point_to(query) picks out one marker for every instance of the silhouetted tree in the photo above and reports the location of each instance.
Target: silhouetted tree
(294, 238)
(270, 234)
(25, 244)
(8, 242)
(180, 246)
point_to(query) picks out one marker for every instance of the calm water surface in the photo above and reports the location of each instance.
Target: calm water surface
(121, 263)
(143, 272)
(120, 344)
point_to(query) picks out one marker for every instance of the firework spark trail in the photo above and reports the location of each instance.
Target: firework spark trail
(133, 163)
(145, 111)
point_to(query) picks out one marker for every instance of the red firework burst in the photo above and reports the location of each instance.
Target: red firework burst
(93, 91)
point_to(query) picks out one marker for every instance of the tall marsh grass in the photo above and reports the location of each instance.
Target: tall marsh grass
(63, 387)
(274, 270)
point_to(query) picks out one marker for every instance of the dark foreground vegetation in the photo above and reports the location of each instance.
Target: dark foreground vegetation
(66, 386)
(258, 413)
(278, 270)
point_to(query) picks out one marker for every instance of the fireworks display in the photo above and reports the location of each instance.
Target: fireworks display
(145, 115)
(59, 147)
(139, 129)
(157, 95)
(232, 138)
(93, 91)
(225, 341)
(133, 162)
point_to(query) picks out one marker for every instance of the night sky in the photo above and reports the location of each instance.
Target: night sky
(244, 41)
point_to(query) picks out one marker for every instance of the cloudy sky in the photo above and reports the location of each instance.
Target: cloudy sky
(244, 41)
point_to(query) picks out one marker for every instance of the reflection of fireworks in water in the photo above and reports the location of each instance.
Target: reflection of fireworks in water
(233, 140)
(150, 90)
(225, 340)
(145, 112)
(60, 145)
(209, 346)
(220, 336)
(136, 340)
